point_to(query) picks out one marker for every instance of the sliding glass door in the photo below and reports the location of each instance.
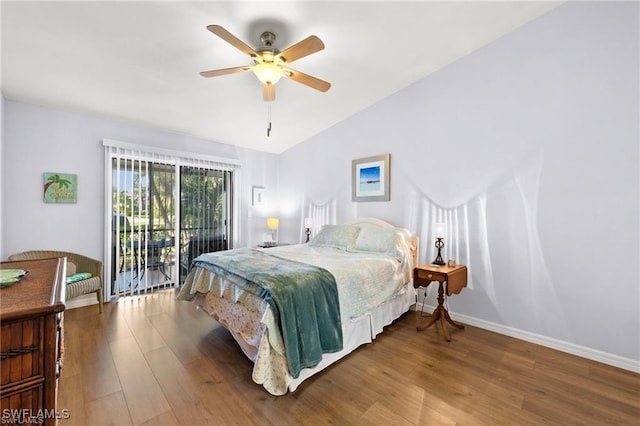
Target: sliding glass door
(164, 214)
(204, 212)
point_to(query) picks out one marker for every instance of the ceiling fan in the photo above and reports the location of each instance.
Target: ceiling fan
(270, 64)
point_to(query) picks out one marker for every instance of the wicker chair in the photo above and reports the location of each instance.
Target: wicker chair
(75, 263)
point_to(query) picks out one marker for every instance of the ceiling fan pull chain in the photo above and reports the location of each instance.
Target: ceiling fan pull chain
(269, 120)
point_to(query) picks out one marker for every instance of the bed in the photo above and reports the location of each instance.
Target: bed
(296, 309)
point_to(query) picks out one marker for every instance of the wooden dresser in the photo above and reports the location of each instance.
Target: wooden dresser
(31, 314)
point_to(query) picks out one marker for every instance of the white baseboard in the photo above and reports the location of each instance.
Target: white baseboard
(549, 342)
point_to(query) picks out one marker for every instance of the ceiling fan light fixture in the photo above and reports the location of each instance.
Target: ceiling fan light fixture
(268, 72)
(270, 64)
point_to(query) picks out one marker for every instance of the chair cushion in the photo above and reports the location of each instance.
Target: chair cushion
(77, 277)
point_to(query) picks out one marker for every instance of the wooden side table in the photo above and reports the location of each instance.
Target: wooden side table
(455, 278)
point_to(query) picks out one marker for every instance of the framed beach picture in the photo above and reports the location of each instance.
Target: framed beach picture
(60, 188)
(370, 178)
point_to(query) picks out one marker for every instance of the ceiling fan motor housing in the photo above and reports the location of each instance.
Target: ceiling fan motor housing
(268, 38)
(268, 52)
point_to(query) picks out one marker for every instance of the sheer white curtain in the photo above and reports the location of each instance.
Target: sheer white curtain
(465, 232)
(320, 215)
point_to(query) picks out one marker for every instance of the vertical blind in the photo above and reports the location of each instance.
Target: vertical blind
(165, 208)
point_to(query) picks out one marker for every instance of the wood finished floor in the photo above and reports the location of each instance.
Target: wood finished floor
(152, 360)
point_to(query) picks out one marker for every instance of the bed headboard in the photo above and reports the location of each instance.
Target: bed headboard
(372, 221)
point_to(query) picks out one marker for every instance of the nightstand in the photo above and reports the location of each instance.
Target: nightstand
(451, 279)
(272, 245)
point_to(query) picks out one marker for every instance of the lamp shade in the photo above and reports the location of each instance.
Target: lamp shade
(439, 229)
(268, 72)
(272, 223)
(307, 222)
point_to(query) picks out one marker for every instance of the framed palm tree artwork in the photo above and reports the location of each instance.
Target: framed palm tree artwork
(60, 188)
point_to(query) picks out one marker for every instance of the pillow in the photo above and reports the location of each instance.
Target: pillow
(381, 240)
(74, 278)
(338, 236)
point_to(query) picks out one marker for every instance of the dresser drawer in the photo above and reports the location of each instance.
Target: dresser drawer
(28, 398)
(21, 350)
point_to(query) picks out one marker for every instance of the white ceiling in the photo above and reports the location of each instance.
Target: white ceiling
(139, 61)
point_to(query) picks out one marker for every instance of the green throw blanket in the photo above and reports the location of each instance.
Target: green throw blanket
(304, 299)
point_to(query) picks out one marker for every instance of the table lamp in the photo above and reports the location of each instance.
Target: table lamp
(272, 225)
(307, 228)
(439, 232)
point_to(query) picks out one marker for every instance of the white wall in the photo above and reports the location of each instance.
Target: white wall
(534, 140)
(1, 145)
(1, 169)
(38, 140)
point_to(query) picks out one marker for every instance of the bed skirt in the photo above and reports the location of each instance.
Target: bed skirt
(362, 330)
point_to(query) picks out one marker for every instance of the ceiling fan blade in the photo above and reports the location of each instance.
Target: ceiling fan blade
(309, 45)
(233, 40)
(268, 92)
(225, 71)
(307, 80)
